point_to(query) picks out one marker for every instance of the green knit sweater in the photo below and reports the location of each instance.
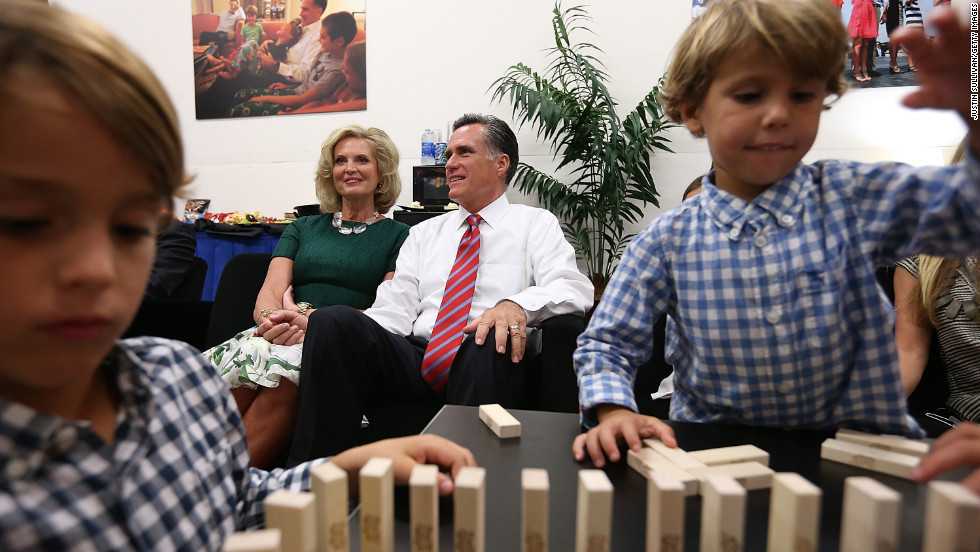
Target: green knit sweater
(330, 268)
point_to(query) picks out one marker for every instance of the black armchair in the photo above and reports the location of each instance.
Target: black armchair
(182, 316)
(234, 299)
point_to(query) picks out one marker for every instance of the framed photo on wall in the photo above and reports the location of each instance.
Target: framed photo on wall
(258, 58)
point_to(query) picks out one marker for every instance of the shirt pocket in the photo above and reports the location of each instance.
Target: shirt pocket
(820, 303)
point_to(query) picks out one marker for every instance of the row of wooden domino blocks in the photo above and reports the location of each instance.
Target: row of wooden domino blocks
(318, 522)
(869, 518)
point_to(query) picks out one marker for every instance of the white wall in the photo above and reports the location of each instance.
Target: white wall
(429, 62)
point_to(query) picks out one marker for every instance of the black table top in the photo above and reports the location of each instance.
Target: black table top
(546, 441)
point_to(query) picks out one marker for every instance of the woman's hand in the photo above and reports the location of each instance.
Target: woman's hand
(287, 300)
(284, 327)
(957, 447)
(406, 453)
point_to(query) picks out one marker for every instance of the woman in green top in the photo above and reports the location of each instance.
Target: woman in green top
(336, 258)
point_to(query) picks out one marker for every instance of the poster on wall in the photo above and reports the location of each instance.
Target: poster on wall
(257, 58)
(872, 62)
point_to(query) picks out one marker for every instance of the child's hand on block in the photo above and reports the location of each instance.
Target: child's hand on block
(618, 424)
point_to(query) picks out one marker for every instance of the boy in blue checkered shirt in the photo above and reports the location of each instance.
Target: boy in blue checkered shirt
(769, 275)
(109, 444)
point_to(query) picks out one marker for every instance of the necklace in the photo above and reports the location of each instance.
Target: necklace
(338, 223)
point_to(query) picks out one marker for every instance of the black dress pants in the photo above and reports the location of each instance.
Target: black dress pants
(350, 362)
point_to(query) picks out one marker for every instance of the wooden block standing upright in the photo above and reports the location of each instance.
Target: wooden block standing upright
(722, 514)
(377, 486)
(423, 487)
(593, 520)
(265, 540)
(295, 515)
(794, 514)
(894, 443)
(951, 523)
(501, 422)
(534, 510)
(678, 456)
(870, 516)
(329, 485)
(665, 513)
(862, 456)
(469, 510)
(731, 455)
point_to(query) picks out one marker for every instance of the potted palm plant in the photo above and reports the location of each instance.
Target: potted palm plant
(608, 157)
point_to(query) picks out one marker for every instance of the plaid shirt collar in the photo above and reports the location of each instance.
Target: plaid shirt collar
(781, 203)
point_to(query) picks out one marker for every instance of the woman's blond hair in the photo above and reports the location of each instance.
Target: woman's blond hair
(936, 274)
(807, 36)
(118, 88)
(386, 155)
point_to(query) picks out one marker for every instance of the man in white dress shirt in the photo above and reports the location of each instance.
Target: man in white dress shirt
(305, 51)
(527, 273)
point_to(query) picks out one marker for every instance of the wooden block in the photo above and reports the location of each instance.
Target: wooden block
(646, 461)
(870, 516)
(329, 484)
(265, 540)
(377, 488)
(751, 475)
(469, 510)
(423, 487)
(295, 515)
(893, 443)
(534, 510)
(678, 456)
(500, 421)
(794, 514)
(882, 461)
(731, 455)
(722, 514)
(593, 519)
(951, 523)
(665, 513)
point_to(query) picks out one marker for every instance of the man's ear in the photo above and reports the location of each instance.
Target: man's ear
(691, 115)
(503, 163)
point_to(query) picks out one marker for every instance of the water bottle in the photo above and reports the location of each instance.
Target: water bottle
(440, 152)
(428, 147)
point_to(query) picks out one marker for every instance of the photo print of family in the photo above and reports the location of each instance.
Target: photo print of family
(254, 58)
(869, 23)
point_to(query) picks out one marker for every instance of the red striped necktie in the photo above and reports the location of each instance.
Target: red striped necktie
(447, 334)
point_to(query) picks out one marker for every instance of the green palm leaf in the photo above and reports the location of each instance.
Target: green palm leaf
(607, 157)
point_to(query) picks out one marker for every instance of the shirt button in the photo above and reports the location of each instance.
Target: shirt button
(760, 241)
(16, 469)
(733, 234)
(64, 438)
(785, 387)
(787, 219)
(772, 316)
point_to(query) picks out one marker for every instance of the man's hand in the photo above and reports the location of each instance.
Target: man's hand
(268, 62)
(957, 447)
(407, 452)
(508, 320)
(618, 424)
(283, 327)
